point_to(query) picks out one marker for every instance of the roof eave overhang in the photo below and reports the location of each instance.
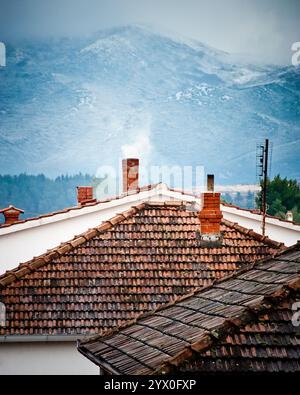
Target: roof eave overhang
(161, 190)
(96, 360)
(258, 217)
(39, 338)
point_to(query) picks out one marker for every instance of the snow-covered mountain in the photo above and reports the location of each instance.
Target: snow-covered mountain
(73, 105)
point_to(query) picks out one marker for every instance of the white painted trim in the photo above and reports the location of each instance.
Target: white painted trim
(258, 217)
(39, 338)
(160, 189)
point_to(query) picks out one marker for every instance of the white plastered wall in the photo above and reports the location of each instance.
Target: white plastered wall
(51, 358)
(281, 231)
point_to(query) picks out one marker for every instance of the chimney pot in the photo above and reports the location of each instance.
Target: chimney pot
(130, 168)
(11, 214)
(85, 195)
(210, 182)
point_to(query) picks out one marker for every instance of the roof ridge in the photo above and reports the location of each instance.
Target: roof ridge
(27, 267)
(258, 212)
(181, 298)
(120, 196)
(249, 210)
(166, 203)
(252, 233)
(79, 207)
(183, 192)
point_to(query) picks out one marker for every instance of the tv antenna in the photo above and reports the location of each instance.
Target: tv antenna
(262, 158)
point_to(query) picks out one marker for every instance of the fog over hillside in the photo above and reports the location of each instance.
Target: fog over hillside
(73, 105)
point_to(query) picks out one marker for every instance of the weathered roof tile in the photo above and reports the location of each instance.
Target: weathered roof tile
(139, 260)
(217, 332)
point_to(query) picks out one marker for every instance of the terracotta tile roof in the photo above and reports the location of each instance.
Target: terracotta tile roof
(271, 344)
(133, 263)
(242, 322)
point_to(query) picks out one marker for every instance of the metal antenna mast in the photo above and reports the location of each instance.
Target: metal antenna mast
(264, 190)
(262, 159)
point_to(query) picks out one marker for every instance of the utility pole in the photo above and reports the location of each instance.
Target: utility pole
(264, 190)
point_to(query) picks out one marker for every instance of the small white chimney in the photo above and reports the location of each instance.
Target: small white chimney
(289, 216)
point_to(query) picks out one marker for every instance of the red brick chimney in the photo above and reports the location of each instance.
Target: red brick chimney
(11, 214)
(210, 214)
(130, 169)
(85, 195)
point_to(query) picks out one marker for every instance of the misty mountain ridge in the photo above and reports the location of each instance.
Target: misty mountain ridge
(73, 105)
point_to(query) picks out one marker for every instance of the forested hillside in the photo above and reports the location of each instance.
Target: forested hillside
(283, 195)
(38, 194)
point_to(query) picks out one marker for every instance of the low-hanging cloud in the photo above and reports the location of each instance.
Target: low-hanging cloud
(264, 29)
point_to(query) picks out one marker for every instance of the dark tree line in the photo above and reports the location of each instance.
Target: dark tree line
(39, 194)
(283, 195)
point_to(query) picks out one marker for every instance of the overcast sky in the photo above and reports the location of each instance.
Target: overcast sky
(264, 29)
